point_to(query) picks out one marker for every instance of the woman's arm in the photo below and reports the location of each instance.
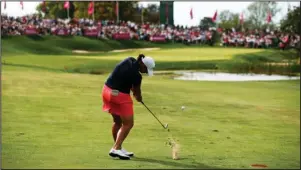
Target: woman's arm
(136, 89)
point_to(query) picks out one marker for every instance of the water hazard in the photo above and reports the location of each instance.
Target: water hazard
(214, 76)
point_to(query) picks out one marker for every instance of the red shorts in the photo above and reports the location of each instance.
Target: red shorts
(120, 104)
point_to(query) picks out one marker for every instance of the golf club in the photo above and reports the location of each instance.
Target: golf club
(164, 126)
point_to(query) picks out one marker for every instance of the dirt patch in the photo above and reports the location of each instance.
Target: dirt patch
(133, 49)
(85, 52)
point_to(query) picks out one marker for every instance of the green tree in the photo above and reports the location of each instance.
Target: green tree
(127, 10)
(151, 13)
(257, 12)
(291, 23)
(56, 9)
(154, 8)
(228, 20)
(81, 9)
(103, 10)
(206, 22)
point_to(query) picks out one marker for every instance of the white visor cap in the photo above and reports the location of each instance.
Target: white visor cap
(150, 64)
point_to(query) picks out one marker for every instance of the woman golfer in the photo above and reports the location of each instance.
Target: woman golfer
(117, 101)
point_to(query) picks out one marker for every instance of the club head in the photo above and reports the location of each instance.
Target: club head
(166, 126)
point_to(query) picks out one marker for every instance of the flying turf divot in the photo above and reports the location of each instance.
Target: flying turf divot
(175, 147)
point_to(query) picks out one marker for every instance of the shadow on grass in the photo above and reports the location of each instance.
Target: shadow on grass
(63, 45)
(100, 67)
(268, 56)
(35, 37)
(266, 62)
(245, 63)
(174, 163)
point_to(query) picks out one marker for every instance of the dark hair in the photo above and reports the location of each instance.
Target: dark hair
(140, 57)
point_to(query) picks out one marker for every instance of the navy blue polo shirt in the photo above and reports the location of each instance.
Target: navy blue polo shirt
(125, 75)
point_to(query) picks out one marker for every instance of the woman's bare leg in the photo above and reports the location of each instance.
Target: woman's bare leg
(127, 124)
(117, 123)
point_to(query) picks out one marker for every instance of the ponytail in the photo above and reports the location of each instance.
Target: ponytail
(140, 57)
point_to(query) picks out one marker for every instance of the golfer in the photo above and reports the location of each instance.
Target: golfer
(117, 100)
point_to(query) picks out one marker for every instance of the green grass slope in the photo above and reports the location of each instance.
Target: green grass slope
(57, 45)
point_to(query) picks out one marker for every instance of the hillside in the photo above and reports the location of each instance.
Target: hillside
(87, 55)
(65, 45)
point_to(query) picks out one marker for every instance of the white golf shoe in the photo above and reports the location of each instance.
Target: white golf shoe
(127, 153)
(118, 153)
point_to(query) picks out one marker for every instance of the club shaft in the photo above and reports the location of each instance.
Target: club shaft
(153, 115)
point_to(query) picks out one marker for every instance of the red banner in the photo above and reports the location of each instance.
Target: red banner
(121, 36)
(160, 38)
(91, 32)
(61, 31)
(30, 31)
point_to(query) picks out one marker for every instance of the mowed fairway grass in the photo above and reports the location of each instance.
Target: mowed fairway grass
(54, 119)
(165, 58)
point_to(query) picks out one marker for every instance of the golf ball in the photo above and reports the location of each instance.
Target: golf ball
(183, 107)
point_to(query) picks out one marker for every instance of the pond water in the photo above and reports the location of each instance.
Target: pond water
(214, 76)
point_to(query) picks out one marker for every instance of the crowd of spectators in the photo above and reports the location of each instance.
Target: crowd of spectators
(260, 39)
(146, 32)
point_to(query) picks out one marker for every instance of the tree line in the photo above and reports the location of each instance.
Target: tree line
(254, 17)
(104, 10)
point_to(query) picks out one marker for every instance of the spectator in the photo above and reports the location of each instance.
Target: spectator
(107, 29)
